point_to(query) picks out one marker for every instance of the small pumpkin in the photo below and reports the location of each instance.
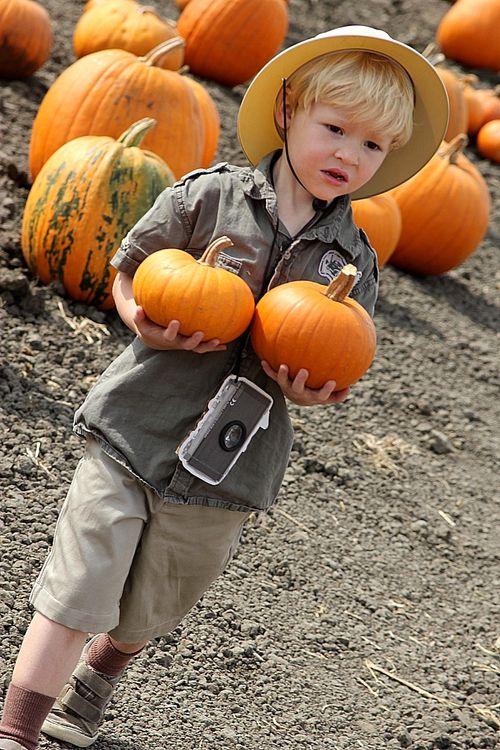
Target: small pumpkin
(86, 197)
(380, 217)
(455, 88)
(483, 104)
(304, 324)
(120, 24)
(445, 211)
(468, 33)
(26, 38)
(229, 41)
(172, 285)
(103, 92)
(95, 3)
(488, 140)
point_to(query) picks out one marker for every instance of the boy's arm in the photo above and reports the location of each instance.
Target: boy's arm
(151, 334)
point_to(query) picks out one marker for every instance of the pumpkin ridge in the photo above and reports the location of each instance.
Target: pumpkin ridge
(115, 91)
(109, 79)
(284, 323)
(88, 222)
(92, 206)
(44, 144)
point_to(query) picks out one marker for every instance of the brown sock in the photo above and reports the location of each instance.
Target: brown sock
(23, 715)
(105, 658)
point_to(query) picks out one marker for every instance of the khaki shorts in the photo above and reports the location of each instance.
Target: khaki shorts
(126, 562)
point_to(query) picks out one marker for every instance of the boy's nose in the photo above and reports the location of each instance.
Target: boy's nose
(348, 153)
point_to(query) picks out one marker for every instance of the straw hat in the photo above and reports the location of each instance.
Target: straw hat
(256, 125)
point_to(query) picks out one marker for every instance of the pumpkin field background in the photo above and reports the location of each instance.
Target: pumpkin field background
(363, 611)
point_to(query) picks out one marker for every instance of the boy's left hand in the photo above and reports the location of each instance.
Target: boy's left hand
(297, 391)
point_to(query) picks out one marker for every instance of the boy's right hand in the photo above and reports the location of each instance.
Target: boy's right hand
(157, 337)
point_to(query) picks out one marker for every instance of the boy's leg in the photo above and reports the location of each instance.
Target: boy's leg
(183, 550)
(80, 584)
(47, 656)
(79, 708)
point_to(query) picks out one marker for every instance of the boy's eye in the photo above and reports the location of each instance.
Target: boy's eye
(373, 146)
(335, 128)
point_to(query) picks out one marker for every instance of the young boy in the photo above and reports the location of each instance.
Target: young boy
(350, 113)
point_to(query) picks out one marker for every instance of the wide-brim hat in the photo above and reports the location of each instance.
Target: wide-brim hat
(256, 122)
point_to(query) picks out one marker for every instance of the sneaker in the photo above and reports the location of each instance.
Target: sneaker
(79, 709)
(10, 745)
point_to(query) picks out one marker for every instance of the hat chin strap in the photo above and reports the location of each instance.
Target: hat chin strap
(317, 203)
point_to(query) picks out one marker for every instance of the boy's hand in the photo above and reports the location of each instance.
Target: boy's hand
(297, 391)
(157, 337)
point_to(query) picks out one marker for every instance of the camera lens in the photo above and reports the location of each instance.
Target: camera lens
(232, 436)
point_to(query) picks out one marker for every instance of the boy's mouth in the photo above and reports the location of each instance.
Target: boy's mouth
(337, 175)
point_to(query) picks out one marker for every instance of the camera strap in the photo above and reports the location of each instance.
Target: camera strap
(268, 274)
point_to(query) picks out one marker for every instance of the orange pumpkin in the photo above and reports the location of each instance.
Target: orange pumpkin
(120, 24)
(230, 40)
(455, 88)
(468, 33)
(445, 211)
(181, 4)
(95, 3)
(26, 38)
(473, 100)
(488, 140)
(84, 200)
(171, 285)
(483, 105)
(491, 104)
(211, 120)
(101, 93)
(380, 217)
(307, 325)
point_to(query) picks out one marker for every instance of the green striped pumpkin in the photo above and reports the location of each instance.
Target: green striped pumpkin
(84, 200)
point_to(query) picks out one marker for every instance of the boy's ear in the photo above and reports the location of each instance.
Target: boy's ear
(280, 109)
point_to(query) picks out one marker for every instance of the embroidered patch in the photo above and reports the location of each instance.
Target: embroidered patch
(228, 263)
(331, 264)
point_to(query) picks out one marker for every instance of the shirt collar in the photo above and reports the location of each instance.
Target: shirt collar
(332, 224)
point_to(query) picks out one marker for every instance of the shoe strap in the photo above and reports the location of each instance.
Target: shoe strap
(93, 681)
(79, 705)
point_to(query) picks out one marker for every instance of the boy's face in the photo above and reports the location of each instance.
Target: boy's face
(332, 153)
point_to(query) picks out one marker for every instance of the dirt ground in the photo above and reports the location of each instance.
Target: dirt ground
(362, 612)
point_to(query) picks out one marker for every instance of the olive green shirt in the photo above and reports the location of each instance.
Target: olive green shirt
(147, 401)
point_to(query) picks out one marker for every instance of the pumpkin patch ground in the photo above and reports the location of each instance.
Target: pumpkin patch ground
(362, 612)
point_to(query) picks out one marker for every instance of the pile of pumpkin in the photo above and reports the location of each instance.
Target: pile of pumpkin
(126, 119)
(435, 220)
(132, 64)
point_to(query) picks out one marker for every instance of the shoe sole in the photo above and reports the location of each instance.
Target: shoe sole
(67, 734)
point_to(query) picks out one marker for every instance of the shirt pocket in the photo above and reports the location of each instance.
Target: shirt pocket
(229, 264)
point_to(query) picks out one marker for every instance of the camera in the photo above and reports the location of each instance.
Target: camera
(232, 418)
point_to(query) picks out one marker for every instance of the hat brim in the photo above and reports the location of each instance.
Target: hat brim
(256, 125)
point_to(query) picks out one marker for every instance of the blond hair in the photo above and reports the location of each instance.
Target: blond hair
(369, 86)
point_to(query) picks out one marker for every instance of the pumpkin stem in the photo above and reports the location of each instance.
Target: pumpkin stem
(341, 285)
(433, 54)
(209, 257)
(455, 147)
(470, 79)
(150, 9)
(136, 132)
(154, 56)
